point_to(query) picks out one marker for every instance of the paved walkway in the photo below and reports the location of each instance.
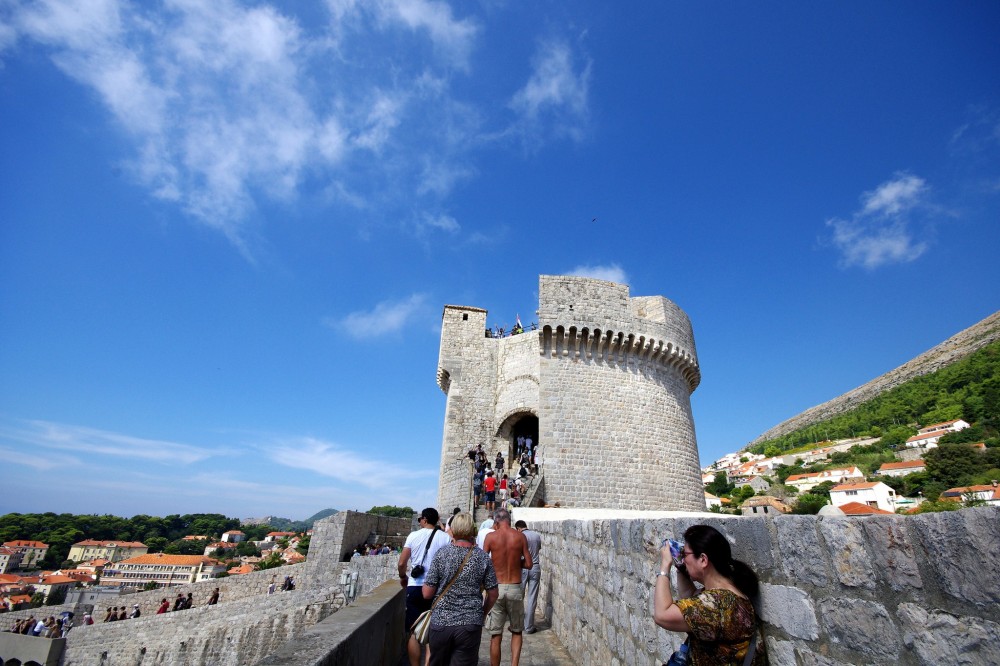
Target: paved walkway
(541, 648)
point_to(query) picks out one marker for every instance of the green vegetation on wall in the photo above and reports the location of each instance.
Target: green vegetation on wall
(968, 389)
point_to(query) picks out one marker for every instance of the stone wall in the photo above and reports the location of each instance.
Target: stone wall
(348, 529)
(834, 590)
(616, 381)
(609, 379)
(247, 623)
(366, 633)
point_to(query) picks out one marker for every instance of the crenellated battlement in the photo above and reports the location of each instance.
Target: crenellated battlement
(603, 388)
(618, 348)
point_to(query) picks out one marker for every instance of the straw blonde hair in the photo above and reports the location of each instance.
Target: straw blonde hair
(463, 526)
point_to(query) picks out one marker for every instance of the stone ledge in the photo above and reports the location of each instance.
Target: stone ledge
(370, 631)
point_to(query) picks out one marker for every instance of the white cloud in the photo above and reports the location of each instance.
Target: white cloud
(440, 222)
(338, 463)
(385, 318)
(85, 441)
(880, 232)
(894, 196)
(451, 36)
(611, 273)
(555, 91)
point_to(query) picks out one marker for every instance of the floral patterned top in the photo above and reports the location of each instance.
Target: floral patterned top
(722, 624)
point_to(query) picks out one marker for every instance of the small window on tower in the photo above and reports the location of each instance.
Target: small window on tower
(465, 316)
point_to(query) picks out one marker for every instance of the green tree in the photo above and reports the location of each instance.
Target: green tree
(150, 585)
(953, 464)
(393, 511)
(303, 546)
(270, 562)
(809, 504)
(247, 549)
(823, 489)
(56, 596)
(720, 485)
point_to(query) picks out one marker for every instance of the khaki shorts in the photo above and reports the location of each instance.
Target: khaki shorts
(509, 606)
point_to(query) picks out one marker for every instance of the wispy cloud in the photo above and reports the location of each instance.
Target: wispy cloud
(453, 37)
(385, 318)
(336, 462)
(880, 233)
(82, 441)
(611, 273)
(556, 94)
(228, 105)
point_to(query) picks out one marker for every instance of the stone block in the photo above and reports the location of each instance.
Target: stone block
(846, 545)
(942, 638)
(892, 550)
(861, 627)
(961, 548)
(801, 552)
(789, 609)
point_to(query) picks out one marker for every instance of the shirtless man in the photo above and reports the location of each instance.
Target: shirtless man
(509, 550)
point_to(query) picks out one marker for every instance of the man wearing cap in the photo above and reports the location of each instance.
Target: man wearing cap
(135, 612)
(419, 551)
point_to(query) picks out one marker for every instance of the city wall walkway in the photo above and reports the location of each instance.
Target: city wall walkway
(541, 648)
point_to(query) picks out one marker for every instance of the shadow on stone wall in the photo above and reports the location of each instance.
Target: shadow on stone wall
(834, 590)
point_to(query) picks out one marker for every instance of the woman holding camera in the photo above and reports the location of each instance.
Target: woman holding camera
(719, 619)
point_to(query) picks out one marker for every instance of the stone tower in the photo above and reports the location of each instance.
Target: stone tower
(604, 386)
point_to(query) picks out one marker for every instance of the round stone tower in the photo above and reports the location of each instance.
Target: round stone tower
(603, 386)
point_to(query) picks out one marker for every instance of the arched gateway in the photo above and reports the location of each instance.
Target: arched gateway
(603, 388)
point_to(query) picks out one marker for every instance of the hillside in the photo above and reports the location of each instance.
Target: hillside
(951, 350)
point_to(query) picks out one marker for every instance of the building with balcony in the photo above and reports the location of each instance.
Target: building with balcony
(165, 570)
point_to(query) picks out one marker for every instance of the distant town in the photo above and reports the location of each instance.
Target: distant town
(807, 481)
(100, 569)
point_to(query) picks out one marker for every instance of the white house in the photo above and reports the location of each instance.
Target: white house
(711, 500)
(948, 426)
(875, 494)
(990, 493)
(928, 436)
(928, 440)
(806, 482)
(233, 536)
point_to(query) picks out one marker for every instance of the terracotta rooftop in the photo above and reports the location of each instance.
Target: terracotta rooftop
(856, 486)
(859, 509)
(902, 464)
(21, 543)
(176, 560)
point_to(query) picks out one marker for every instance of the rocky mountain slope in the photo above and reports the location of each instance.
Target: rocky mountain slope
(953, 349)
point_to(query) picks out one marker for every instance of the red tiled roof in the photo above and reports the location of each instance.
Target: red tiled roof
(859, 509)
(969, 489)
(21, 543)
(856, 486)
(903, 464)
(177, 560)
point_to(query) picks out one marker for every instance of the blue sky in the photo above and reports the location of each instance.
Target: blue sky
(227, 230)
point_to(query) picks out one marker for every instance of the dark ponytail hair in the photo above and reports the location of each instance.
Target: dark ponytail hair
(706, 540)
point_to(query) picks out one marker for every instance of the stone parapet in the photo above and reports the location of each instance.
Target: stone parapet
(834, 590)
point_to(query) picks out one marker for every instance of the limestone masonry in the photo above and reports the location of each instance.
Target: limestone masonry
(603, 386)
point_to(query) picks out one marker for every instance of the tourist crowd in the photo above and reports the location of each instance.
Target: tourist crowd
(489, 482)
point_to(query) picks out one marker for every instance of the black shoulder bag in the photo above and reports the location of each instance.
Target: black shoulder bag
(418, 570)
